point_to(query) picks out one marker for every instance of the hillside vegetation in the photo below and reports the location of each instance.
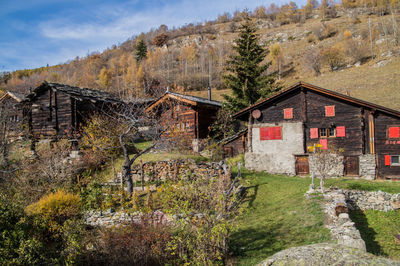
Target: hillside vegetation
(327, 45)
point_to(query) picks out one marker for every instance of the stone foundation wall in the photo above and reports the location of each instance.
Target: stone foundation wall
(271, 163)
(367, 166)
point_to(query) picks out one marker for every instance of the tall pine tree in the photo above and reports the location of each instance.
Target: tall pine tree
(246, 73)
(141, 51)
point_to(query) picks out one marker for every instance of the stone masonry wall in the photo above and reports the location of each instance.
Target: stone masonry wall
(340, 201)
(173, 169)
(339, 222)
(367, 166)
(372, 200)
(335, 167)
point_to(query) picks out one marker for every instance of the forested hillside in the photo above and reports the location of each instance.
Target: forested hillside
(348, 47)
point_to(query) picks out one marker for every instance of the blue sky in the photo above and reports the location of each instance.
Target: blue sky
(35, 33)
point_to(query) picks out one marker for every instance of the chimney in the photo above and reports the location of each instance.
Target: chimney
(209, 93)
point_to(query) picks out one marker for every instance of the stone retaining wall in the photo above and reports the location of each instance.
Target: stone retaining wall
(340, 201)
(171, 169)
(371, 200)
(339, 222)
(110, 218)
(163, 170)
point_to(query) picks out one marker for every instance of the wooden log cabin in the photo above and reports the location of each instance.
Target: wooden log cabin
(286, 127)
(187, 118)
(58, 110)
(12, 113)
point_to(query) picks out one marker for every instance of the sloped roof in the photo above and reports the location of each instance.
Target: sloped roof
(75, 92)
(15, 95)
(192, 100)
(233, 137)
(311, 87)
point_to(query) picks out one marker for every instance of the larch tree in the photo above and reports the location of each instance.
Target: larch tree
(246, 75)
(276, 54)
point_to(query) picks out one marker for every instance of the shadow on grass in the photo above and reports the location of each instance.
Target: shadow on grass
(250, 241)
(253, 196)
(367, 233)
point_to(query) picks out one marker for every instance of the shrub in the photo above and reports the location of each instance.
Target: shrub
(312, 60)
(56, 208)
(143, 243)
(160, 39)
(333, 56)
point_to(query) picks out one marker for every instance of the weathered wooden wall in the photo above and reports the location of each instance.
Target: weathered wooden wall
(346, 114)
(51, 114)
(236, 146)
(384, 145)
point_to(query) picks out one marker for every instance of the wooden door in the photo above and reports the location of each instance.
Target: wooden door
(351, 165)
(302, 166)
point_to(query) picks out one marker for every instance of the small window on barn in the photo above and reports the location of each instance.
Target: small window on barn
(392, 160)
(331, 132)
(322, 133)
(288, 113)
(271, 133)
(394, 132)
(330, 111)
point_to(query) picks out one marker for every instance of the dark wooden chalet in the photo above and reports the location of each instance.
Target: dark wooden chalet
(188, 118)
(12, 112)
(58, 110)
(286, 127)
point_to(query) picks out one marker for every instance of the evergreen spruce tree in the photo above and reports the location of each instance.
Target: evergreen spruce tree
(141, 51)
(246, 73)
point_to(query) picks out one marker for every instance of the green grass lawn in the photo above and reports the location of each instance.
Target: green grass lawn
(377, 229)
(358, 184)
(277, 216)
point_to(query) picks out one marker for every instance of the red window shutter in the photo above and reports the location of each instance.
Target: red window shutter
(394, 132)
(288, 113)
(341, 131)
(324, 143)
(387, 159)
(265, 133)
(277, 133)
(270, 133)
(330, 110)
(313, 133)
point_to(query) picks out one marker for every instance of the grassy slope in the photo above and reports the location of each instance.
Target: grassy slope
(383, 185)
(277, 216)
(368, 82)
(374, 84)
(377, 229)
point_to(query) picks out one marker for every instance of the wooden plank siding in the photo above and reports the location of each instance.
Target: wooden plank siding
(347, 115)
(51, 115)
(384, 145)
